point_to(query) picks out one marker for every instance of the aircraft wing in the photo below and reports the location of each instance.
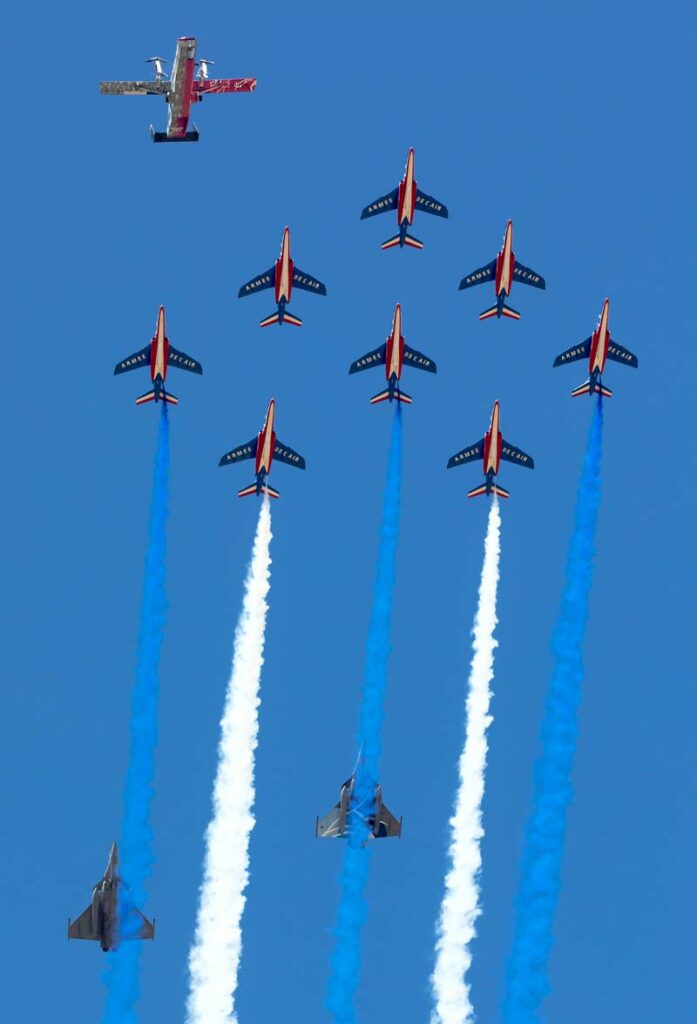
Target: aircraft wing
(212, 85)
(152, 88)
(375, 358)
(485, 273)
(245, 451)
(430, 205)
(135, 925)
(419, 360)
(306, 283)
(388, 202)
(527, 276)
(285, 454)
(513, 454)
(81, 927)
(387, 825)
(259, 283)
(184, 362)
(329, 827)
(621, 355)
(135, 361)
(475, 451)
(581, 351)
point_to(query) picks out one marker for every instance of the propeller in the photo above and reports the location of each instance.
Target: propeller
(159, 69)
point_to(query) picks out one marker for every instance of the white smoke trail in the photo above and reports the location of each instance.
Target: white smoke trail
(215, 954)
(460, 907)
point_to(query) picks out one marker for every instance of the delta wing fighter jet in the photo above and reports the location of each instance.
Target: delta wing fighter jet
(393, 355)
(264, 448)
(180, 90)
(406, 199)
(380, 822)
(282, 277)
(597, 349)
(503, 271)
(491, 449)
(158, 354)
(100, 922)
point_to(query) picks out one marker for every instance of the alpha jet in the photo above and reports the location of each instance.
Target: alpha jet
(159, 354)
(393, 355)
(597, 349)
(180, 90)
(491, 449)
(282, 277)
(406, 199)
(264, 448)
(380, 823)
(109, 919)
(503, 271)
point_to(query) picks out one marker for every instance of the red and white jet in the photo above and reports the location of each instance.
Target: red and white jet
(264, 448)
(504, 270)
(159, 354)
(282, 277)
(597, 349)
(406, 199)
(182, 89)
(491, 449)
(393, 355)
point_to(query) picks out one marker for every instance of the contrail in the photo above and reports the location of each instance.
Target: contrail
(345, 960)
(214, 957)
(122, 978)
(460, 906)
(527, 981)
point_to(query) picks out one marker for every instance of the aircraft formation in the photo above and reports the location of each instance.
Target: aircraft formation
(188, 83)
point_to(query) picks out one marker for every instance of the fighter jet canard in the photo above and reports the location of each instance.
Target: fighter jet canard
(406, 199)
(503, 271)
(378, 820)
(491, 449)
(158, 354)
(597, 349)
(110, 918)
(283, 276)
(393, 355)
(264, 448)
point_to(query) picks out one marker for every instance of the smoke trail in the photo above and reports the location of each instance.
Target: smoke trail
(215, 954)
(527, 981)
(460, 907)
(135, 848)
(345, 961)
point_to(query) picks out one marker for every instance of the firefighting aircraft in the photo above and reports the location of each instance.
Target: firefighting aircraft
(99, 922)
(504, 270)
(597, 349)
(180, 90)
(282, 277)
(380, 823)
(159, 354)
(406, 199)
(265, 447)
(491, 449)
(393, 355)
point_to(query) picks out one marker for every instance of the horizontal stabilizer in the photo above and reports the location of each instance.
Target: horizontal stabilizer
(497, 310)
(172, 399)
(254, 489)
(164, 137)
(275, 318)
(382, 396)
(512, 314)
(149, 396)
(494, 489)
(597, 389)
(409, 240)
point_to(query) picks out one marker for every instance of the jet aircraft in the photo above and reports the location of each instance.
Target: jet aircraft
(265, 447)
(159, 354)
(393, 355)
(406, 199)
(504, 270)
(182, 89)
(597, 349)
(491, 449)
(100, 922)
(380, 822)
(282, 277)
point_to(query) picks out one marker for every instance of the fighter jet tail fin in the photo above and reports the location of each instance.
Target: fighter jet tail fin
(495, 489)
(384, 396)
(255, 489)
(596, 389)
(149, 396)
(409, 240)
(497, 310)
(275, 318)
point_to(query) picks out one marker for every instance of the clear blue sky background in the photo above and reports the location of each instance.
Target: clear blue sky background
(576, 121)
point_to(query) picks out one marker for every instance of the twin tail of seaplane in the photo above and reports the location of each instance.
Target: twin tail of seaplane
(282, 277)
(597, 350)
(491, 449)
(393, 355)
(263, 448)
(406, 199)
(158, 354)
(503, 271)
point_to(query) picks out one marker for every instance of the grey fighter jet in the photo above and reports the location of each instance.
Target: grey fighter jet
(99, 922)
(381, 824)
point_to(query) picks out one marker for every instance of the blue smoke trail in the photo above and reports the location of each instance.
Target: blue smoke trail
(122, 978)
(527, 981)
(346, 961)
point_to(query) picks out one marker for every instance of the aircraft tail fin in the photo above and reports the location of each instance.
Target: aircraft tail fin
(172, 399)
(255, 489)
(275, 318)
(409, 240)
(597, 389)
(497, 310)
(495, 489)
(149, 396)
(397, 395)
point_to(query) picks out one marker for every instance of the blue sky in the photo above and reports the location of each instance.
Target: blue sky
(575, 122)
